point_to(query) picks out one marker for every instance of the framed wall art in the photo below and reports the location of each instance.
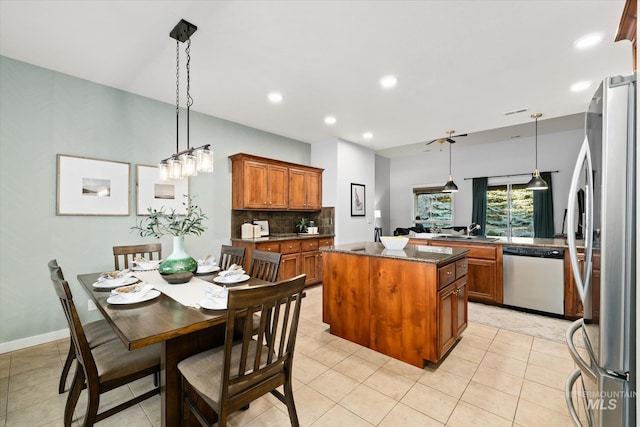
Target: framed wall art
(357, 199)
(88, 186)
(153, 193)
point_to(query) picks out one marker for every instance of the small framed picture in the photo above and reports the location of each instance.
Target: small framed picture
(154, 194)
(92, 186)
(357, 199)
(264, 227)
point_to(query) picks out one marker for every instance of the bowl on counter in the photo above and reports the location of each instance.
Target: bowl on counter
(394, 243)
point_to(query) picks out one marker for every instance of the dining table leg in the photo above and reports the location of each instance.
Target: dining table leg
(175, 350)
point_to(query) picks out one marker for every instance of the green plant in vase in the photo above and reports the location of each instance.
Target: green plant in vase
(161, 222)
(301, 226)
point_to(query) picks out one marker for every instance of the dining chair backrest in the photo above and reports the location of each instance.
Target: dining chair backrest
(270, 366)
(128, 253)
(265, 265)
(230, 255)
(83, 352)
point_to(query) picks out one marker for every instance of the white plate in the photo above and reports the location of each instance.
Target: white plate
(214, 303)
(115, 283)
(231, 279)
(117, 299)
(207, 269)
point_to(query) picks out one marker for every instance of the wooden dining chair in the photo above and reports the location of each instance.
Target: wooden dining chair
(230, 255)
(229, 377)
(128, 253)
(97, 332)
(102, 368)
(265, 265)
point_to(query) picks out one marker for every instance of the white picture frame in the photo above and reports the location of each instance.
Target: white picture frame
(153, 193)
(87, 186)
(264, 227)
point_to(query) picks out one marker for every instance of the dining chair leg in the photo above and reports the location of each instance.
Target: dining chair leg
(71, 355)
(92, 408)
(74, 394)
(291, 406)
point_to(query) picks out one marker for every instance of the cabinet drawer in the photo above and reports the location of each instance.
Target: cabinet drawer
(326, 242)
(446, 275)
(292, 247)
(269, 247)
(461, 268)
(309, 245)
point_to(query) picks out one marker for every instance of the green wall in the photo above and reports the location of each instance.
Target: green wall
(44, 113)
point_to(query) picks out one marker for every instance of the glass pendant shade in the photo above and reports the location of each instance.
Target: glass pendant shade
(189, 165)
(205, 160)
(537, 183)
(175, 168)
(450, 186)
(163, 170)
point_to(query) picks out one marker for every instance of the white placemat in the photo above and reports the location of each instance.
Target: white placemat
(189, 294)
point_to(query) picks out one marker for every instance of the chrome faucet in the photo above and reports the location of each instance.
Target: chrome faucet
(471, 228)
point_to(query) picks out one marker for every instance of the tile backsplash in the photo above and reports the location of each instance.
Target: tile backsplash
(281, 222)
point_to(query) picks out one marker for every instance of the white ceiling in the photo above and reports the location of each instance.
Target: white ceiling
(460, 64)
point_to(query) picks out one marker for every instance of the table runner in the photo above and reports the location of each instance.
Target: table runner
(189, 294)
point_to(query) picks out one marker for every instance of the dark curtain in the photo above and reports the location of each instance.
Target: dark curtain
(479, 208)
(543, 209)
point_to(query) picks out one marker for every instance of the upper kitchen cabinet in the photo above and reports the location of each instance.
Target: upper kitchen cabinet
(305, 189)
(266, 184)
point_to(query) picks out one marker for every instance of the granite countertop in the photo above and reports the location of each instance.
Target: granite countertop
(282, 237)
(431, 254)
(505, 241)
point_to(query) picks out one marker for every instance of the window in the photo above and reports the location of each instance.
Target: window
(509, 210)
(432, 207)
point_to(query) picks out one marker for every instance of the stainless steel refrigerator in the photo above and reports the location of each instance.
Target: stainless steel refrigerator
(601, 391)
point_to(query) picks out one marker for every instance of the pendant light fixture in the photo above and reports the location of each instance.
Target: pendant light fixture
(537, 183)
(187, 162)
(450, 186)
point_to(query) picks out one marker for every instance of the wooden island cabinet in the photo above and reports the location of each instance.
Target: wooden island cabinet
(410, 304)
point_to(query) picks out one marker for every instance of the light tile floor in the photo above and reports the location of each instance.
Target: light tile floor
(493, 377)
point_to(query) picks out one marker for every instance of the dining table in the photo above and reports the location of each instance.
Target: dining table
(174, 318)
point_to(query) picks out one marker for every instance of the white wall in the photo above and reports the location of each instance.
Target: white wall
(346, 163)
(383, 194)
(555, 152)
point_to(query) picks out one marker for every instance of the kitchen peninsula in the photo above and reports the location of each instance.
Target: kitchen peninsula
(409, 304)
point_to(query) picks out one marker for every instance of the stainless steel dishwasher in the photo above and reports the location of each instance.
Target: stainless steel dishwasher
(533, 278)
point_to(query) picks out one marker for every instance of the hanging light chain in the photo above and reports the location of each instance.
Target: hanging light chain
(187, 50)
(177, 94)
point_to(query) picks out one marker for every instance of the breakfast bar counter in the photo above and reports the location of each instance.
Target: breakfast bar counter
(410, 304)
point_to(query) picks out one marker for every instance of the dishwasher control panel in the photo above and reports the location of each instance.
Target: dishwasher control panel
(533, 252)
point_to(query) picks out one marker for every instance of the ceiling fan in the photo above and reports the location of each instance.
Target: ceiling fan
(447, 139)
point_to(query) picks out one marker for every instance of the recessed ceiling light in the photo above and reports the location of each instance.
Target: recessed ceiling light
(588, 41)
(330, 120)
(387, 82)
(275, 97)
(367, 135)
(580, 86)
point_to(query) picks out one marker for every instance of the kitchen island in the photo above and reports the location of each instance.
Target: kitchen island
(409, 304)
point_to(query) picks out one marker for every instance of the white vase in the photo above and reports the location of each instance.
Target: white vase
(179, 261)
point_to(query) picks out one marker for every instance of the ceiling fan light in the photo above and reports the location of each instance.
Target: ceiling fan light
(536, 182)
(450, 186)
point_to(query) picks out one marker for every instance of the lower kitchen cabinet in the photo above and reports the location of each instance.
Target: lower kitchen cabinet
(484, 276)
(298, 256)
(572, 304)
(452, 314)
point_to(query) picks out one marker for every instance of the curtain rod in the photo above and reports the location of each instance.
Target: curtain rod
(507, 176)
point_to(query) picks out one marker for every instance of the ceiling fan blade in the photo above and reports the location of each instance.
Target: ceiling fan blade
(450, 140)
(462, 134)
(431, 142)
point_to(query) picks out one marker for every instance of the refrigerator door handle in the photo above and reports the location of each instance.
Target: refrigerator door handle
(582, 283)
(568, 395)
(582, 364)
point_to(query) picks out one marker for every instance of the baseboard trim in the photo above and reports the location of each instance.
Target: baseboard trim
(7, 347)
